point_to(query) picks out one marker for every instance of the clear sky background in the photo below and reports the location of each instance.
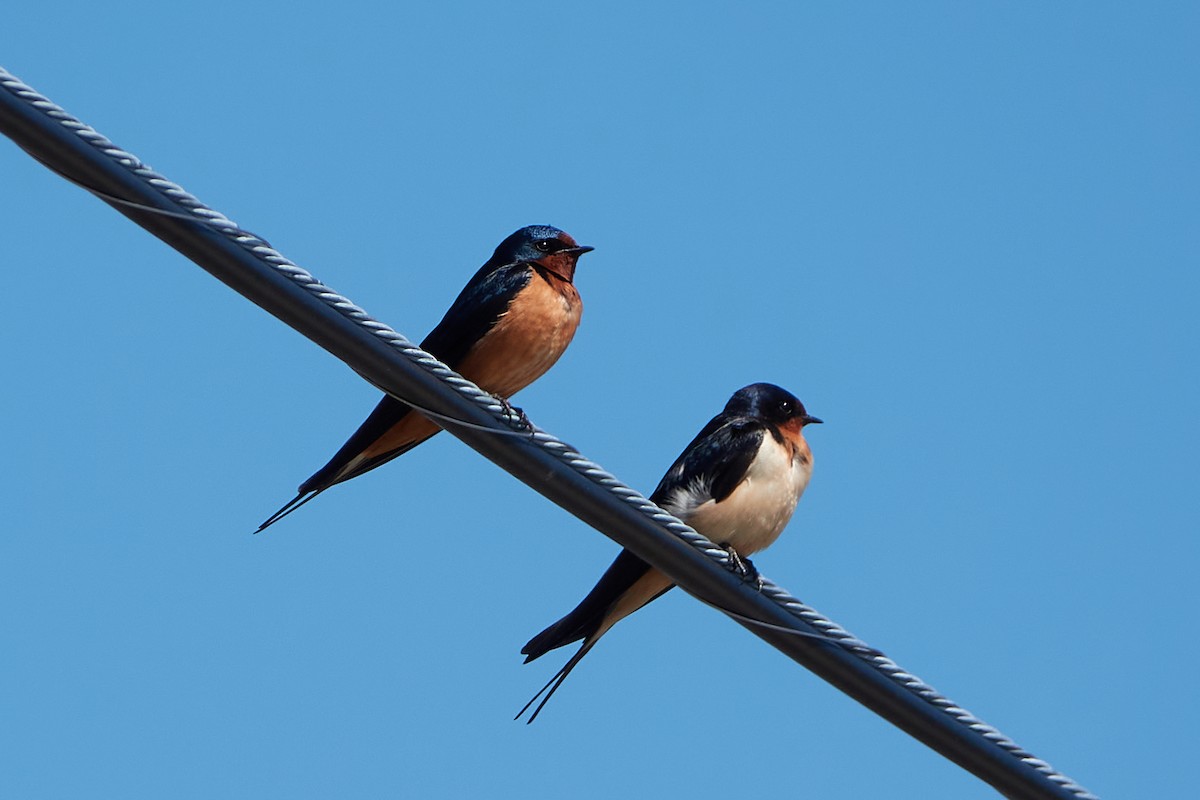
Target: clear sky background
(964, 234)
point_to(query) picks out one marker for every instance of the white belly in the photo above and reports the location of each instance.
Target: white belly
(754, 515)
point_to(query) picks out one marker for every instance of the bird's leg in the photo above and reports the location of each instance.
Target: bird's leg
(744, 567)
(515, 416)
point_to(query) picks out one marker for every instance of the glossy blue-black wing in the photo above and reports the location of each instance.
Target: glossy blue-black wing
(717, 459)
(475, 311)
(715, 462)
(477, 308)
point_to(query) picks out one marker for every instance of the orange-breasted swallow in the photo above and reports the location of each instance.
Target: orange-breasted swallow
(509, 325)
(737, 483)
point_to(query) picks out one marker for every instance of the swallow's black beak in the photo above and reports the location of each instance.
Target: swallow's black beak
(808, 419)
(577, 250)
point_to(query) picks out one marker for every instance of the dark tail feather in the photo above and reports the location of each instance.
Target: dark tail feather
(555, 682)
(335, 471)
(329, 476)
(387, 414)
(586, 618)
(561, 633)
(291, 506)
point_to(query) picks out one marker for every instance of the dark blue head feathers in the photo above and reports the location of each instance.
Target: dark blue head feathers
(534, 243)
(770, 402)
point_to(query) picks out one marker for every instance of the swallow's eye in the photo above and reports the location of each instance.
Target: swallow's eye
(545, 245)
(785, 407)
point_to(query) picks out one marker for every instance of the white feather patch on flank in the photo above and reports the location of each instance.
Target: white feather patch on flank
(756, 512)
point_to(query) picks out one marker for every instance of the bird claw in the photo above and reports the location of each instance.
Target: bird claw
(744, 567)
(513, 414)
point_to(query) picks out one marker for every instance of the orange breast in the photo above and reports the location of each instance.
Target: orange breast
(527, 340)
(523, 344)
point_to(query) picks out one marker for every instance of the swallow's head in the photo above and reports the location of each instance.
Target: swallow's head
(544, 245)
(769, 402)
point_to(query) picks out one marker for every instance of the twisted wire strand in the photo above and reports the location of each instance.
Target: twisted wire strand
(261, 249)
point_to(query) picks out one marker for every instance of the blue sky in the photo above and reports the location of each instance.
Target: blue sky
(964, 234)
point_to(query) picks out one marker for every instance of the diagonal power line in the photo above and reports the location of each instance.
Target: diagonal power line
(385, 358)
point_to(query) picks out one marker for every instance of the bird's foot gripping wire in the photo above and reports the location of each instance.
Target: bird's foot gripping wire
(515, 416)
(744, 567)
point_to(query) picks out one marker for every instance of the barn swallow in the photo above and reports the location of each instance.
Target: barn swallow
(509, 325)
(737, 483)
